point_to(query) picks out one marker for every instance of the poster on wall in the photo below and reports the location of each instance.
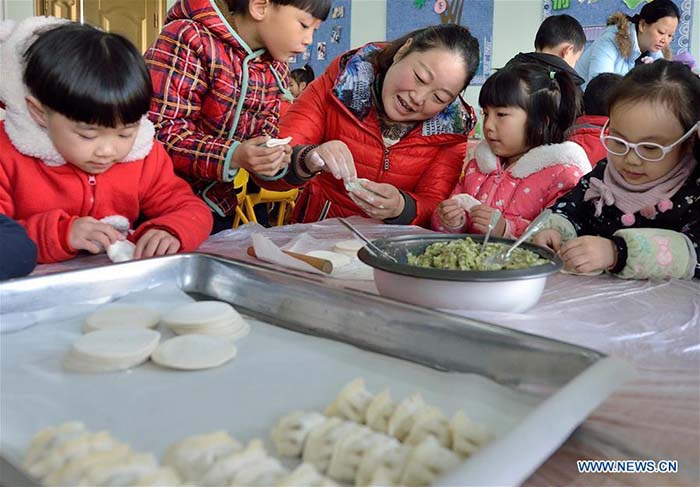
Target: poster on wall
(403, 16)
(593, 16)
(330, 40)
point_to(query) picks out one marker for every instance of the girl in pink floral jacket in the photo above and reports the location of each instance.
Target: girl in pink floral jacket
(524, 164)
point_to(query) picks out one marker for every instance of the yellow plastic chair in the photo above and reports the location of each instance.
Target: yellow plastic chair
(286, 200)
(240, 182)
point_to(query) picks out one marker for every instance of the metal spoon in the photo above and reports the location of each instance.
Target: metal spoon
(372, 248)
(502, 258)
(495, 216)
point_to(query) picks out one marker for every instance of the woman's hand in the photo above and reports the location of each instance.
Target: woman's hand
(156, 242)
(588, 254)
(87, 233)
(333, 157)
(254, 157)
(549, 238)
(451, 214)
(481, 217)
(379, 200)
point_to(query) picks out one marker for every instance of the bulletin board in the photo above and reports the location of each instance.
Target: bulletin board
(330, 41)
(593, 16)
(403, 16)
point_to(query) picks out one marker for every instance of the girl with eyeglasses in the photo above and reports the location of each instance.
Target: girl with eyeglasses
(637, 215)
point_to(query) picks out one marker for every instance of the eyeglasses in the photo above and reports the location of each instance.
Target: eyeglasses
(649, 151)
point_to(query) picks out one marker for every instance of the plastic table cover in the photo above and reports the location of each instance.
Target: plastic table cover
(653, 324)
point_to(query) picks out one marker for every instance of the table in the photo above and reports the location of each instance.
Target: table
(654, 325)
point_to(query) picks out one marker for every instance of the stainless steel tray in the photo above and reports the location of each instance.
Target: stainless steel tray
(556, 375)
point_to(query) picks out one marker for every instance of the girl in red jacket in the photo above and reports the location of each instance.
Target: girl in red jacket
(383, 132)
(524, 164)
(76, 146)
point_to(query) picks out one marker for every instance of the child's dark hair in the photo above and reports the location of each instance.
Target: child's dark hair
(670, 84)
(318, 8)
(655, 10)
(304, 74)
(551, 99)
(595, 98)
(88, 75)
(560, 28)
(453, 37)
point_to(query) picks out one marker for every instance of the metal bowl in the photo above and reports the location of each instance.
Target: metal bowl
(506, 290)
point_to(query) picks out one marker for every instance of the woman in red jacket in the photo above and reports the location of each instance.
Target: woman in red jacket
(383, 131)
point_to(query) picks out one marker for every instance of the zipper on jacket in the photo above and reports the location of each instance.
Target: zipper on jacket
(92, 182)
(386, 159)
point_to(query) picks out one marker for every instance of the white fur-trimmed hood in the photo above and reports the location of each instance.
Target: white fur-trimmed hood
(26, 135)
(567, 154)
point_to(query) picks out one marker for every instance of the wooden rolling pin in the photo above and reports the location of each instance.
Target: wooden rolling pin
(322, 265)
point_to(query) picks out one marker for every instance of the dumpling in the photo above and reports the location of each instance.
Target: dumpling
(320, 443)
(194, 456)
(163, 477)
(351, 403)
(50, 437)
(379, 411)
(467, 436)
(430, 422)
(125, 471)
(225, 469)
(63, 452)
(262, 473)
(427, 462)
(349, 451)
(305, 475)
(291, 431)
(381, 478)
(403, 417)
(390, 456)
(74, 470)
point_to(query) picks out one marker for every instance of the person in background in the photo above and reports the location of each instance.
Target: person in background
(299, 79)
(586, 130)
(17, 251)
(76, 146)
(637, 215)
(382, 133)
(524, 162)
(628, 41)
(559, 44)
(219, 69)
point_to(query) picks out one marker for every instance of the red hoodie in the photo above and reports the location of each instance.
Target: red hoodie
(586, 133)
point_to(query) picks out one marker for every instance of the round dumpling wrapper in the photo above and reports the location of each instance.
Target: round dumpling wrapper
(193, 352)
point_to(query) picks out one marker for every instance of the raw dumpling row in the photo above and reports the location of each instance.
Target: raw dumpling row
(350, 452)
(69, 455)
(409, 421)
(218, 460)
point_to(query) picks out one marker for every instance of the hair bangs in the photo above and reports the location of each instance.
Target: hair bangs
(318, 8)
(88, 76)
(504, 88)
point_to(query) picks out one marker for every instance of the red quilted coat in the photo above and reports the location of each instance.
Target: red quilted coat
(425, 164)
(586, 133)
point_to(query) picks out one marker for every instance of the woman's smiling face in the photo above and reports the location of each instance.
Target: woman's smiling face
(419, 85)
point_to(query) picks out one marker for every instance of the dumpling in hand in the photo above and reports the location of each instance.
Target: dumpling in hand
(403, 417)
(290, 432)
(349, 451)
(467, 436)
(351, 403)
(379, 411)
(427, 462)
(320, 443)
(390, 456)
(194, 456)
(430, 422)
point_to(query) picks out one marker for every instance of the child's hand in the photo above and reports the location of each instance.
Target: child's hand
(588, 254)
(451, 214)
(156, 242)
(379, 200)
(333, 157)
(87, 233)
(549, 238)
(254, 157)
(481, 216)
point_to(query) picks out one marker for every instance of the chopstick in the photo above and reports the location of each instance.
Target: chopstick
(322, 265)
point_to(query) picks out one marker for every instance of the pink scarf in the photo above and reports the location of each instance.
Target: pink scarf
(631, 198)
